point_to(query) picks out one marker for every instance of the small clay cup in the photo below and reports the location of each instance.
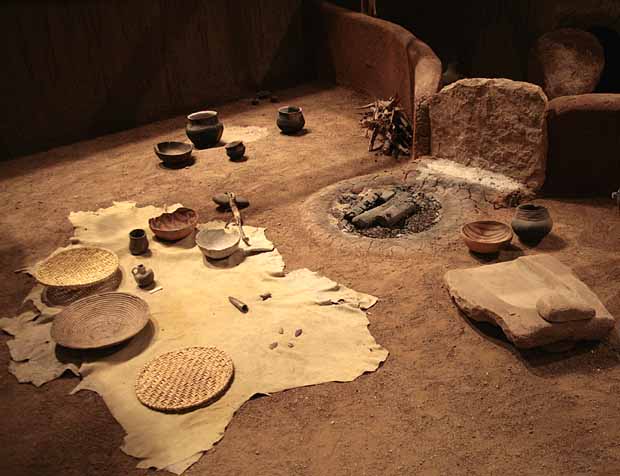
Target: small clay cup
(531, 223)
(235, 150)
(290, 119)
(138, 242)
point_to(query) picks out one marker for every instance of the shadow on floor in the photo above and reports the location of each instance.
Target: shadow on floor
(586, 357)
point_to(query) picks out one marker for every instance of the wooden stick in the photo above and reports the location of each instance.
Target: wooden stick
(393, 211)
(237, 217)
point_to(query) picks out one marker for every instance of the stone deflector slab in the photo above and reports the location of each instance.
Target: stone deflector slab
(495, 124)
(566, 62)
(506, 294)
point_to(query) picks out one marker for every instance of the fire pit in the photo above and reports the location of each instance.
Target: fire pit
(387, 212)
(434, 204)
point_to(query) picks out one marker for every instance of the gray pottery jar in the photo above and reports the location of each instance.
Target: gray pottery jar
(290, 119)
(204, 129)
(144, 276)
(532, 223)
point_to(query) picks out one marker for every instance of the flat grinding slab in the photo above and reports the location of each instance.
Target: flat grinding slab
(505, 294)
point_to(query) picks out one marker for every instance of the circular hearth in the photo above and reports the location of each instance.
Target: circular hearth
(448, 206)
(386, 212)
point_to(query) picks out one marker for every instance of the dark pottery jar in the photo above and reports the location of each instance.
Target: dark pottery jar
(532, 223)
(144, 276)
(235, 150)
(204, 129)
(138, 242)
(290, 119)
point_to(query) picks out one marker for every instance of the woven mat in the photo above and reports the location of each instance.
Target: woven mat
(55, 296)
(184, 379)
(193, 310)
(80, 266)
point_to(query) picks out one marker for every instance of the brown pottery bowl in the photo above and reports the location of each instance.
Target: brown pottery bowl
(486, 236)
(173, 153)
(174, 226)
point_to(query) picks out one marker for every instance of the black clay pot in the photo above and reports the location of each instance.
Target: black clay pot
(138, 242)
(290, 119)
(204, 129)
(532, 223)
(235, 150)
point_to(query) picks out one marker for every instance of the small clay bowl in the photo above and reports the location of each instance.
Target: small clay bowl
(235, 150)
(217, 243)
(173, 153)
(174, 226)
(486, 236)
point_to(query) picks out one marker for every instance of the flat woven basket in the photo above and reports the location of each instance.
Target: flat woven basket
(184, 379)
(101, 320)
(75, 267)
(63, 296)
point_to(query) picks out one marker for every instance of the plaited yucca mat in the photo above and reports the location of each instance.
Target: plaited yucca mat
(101, 320)
(62, 296)
(184, 379)
(74, 267)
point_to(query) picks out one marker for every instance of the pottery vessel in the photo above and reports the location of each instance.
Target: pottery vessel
(217, 243)
(235, 150)
(173, 153)
(144, 276)
(204, 129)
(138, 242)
(174, 226)
(486, 236)
(532, 223)
(290, 119)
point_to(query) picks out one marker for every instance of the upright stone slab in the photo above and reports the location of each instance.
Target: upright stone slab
(493, 124)
(566, 62)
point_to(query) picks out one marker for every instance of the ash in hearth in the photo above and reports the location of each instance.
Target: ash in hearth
(387, 212)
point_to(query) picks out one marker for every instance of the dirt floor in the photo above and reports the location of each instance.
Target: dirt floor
(453, 398)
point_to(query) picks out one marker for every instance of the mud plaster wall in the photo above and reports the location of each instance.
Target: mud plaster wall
(584, 139)
(73, 70)
(374, 56)
(492, 37)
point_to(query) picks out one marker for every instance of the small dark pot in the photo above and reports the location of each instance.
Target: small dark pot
(204, 129)
(144, 276)
(235, 150)
(138, 242)
(532, 223)
(290, 119)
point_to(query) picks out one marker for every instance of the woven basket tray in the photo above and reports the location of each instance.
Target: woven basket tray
(77, 267)
(101, 320)
(184, 379)
(63, 296)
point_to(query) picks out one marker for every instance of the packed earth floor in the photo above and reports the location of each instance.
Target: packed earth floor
(453, 397)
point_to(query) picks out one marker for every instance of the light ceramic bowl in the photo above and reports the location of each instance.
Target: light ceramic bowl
(486, 236)
(217, 243)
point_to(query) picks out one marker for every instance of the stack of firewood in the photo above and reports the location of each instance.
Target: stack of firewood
(390, 130)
